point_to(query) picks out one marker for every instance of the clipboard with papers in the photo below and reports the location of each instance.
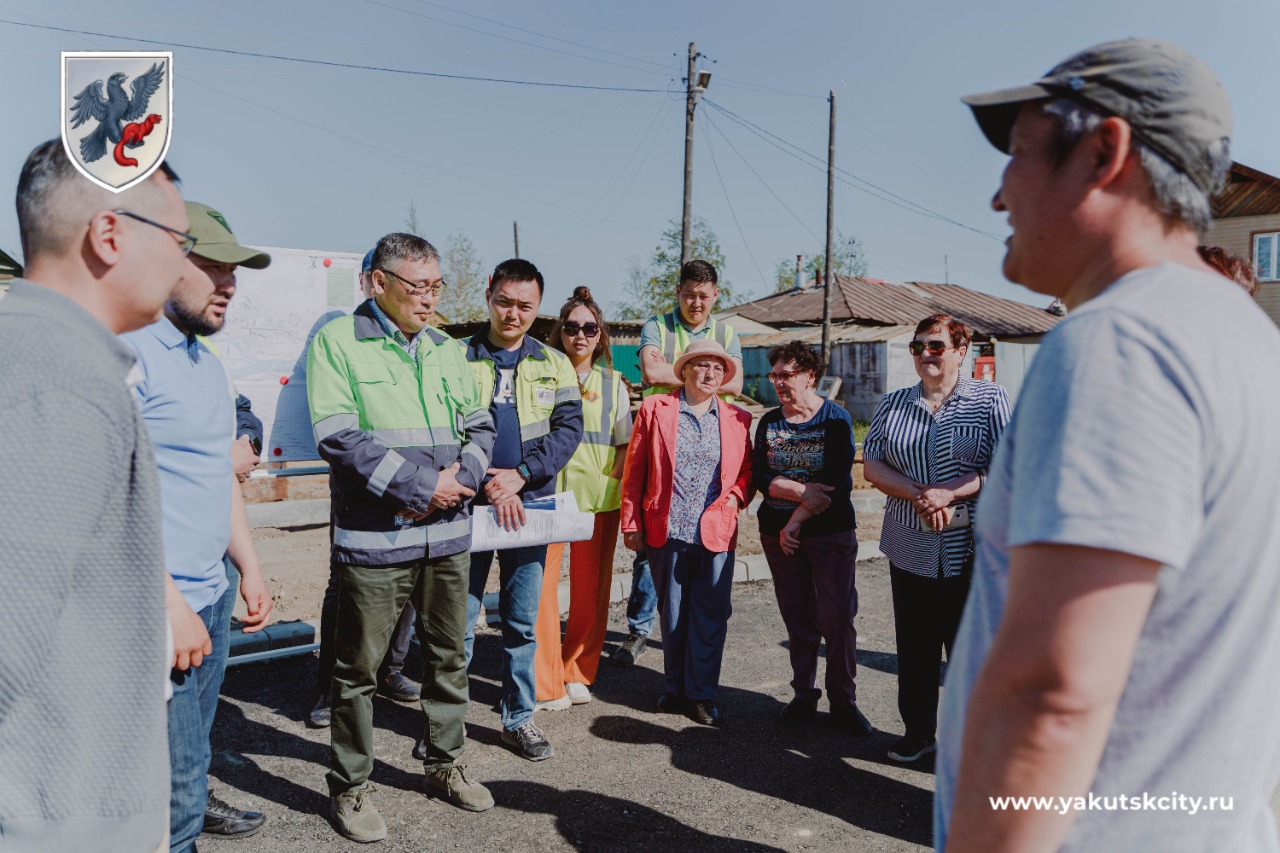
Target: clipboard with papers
(555, 518)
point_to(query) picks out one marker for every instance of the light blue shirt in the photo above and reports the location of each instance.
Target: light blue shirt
(1146, 426)
(392, 331)
(190, 415)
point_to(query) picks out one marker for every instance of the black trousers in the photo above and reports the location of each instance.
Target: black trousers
(926, 615)
(396, 653)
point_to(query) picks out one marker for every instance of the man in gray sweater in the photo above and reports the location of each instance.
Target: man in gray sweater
(84, 762)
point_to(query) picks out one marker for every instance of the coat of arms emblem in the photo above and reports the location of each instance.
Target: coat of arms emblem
(117, 114)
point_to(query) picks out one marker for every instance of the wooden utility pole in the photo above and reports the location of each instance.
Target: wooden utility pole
(686, 222)
(831, 208)
(515, 234)
(799, 281)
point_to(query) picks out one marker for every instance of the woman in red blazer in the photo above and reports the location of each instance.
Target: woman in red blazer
(687, 476)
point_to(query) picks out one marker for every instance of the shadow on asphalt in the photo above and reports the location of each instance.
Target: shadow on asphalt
(814, 767)
(578, 822)
(805, 767)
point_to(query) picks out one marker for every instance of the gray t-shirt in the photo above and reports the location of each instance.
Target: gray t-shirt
(1148, 425)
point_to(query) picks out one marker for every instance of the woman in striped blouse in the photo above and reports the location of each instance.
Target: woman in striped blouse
(929, 448)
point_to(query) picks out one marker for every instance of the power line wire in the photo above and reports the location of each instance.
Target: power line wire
(623, 195)
(855, 181)
(659, 65)
(760, 177)
(896, 149)
(510, 39)
(745, 242)
(664, 110)
(334, 64)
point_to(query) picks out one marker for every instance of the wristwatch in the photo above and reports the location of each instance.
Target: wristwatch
(523, 470)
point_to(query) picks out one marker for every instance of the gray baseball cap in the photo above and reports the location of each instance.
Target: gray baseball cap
(1171, 100)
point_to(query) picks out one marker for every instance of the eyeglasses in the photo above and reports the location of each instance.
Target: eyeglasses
(713, 367)
(416, 287)
(784, 376)
(571, 329)
(917, 348)
(186, 242)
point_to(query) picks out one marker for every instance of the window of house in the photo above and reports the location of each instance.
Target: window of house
(1266, 256)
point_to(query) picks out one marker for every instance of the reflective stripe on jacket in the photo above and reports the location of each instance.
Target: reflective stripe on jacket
(587, 474)
(548, 406)
(387, 425)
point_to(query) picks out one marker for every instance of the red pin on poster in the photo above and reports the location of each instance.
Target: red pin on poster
(284, 380)
(278, 451)
(328, 262)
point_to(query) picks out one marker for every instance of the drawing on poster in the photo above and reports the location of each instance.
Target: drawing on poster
(272, 319)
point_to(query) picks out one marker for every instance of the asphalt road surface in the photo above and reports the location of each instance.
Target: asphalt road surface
(623, 777)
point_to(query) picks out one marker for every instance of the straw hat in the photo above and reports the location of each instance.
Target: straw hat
(701, 349)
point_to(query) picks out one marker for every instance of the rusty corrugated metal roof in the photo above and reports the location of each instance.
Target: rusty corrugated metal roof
(1248, 192)
(845, 334)
(870, 301)
(985, 314)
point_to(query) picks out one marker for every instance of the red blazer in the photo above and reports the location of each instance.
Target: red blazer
(649, 473)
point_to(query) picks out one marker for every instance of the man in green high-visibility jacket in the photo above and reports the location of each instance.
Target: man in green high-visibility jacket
(397, 415)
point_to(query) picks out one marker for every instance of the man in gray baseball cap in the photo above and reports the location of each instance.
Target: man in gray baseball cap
(1118, 651)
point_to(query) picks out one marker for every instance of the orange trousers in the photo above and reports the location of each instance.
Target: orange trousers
(590, 575)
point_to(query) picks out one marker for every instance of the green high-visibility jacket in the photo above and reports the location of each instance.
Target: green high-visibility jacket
(387, 424)
(548, 407)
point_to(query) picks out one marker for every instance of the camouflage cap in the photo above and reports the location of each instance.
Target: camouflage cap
(215, 240)
(1171, 100)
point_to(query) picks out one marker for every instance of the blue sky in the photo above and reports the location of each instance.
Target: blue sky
(323, 157)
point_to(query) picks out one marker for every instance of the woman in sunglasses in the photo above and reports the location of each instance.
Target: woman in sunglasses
(929, 449)
(563, 671)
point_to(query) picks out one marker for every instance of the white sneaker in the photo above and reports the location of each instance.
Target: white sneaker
(560, 704)
(577, 692)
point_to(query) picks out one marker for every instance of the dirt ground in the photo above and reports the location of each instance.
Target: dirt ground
(623, 778)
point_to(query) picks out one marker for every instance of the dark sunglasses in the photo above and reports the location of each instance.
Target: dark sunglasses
(917, 348)
(572, 328)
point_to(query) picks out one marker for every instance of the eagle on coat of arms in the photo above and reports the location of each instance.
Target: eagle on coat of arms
(117, 114)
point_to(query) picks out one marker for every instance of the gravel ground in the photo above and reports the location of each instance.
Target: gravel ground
(623, 777)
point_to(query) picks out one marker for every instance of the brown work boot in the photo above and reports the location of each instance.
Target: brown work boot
(356, 818)
(451, 784)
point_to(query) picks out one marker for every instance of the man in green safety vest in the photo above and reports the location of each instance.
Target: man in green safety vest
(397, 415)
(662, 340)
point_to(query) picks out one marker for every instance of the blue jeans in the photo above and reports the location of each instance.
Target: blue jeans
(191, 711)
(694, 587)
(520, 579)
(642, 603)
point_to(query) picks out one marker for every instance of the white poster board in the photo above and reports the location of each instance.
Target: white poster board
(270, 323)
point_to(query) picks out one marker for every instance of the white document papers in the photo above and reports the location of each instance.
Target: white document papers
(551, 519)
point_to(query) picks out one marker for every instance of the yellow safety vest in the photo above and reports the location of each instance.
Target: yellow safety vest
(674, 339)
(604, 399)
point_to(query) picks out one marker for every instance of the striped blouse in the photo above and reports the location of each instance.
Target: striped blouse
(930, 449)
